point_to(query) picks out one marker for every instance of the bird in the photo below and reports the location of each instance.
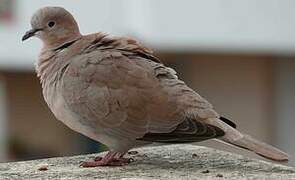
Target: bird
(116, 91)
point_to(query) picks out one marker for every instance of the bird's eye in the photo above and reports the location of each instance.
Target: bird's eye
(51, 24)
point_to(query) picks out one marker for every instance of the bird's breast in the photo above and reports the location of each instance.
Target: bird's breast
(62, 112)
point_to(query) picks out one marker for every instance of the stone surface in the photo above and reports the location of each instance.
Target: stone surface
(182, 161)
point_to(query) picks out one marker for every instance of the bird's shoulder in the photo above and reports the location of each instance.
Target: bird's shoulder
(126, 45)
(106, 59)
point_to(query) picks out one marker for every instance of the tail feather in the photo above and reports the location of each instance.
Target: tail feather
(234, 137)
(260, 148)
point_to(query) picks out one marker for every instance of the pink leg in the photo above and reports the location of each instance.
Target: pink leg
(110, 159)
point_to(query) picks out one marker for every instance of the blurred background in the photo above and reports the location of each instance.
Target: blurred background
(240, 55)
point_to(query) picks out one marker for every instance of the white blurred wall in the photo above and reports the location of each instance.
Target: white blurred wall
(215, 25)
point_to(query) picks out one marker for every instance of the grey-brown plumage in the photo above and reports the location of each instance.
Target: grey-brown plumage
(117, 92)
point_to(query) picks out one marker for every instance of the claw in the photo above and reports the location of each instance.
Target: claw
(98, 158)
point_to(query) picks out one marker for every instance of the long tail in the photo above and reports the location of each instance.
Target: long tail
(234, 137)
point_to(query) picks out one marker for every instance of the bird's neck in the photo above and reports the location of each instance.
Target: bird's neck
(52, 43)
(52, 59)
(45, 65)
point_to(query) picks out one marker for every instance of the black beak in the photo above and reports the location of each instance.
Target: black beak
(30, 33)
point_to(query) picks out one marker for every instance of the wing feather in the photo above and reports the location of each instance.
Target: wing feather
(128, 95)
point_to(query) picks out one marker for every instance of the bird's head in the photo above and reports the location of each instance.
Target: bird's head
(54, 26)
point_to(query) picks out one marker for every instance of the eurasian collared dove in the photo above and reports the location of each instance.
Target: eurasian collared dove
(117, 92)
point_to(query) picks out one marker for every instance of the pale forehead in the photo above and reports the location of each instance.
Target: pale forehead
(47, 13)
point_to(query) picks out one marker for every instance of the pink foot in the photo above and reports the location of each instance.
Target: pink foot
(87, 164)
(111, 159)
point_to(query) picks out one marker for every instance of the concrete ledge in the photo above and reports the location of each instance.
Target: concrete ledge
(182, 161)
